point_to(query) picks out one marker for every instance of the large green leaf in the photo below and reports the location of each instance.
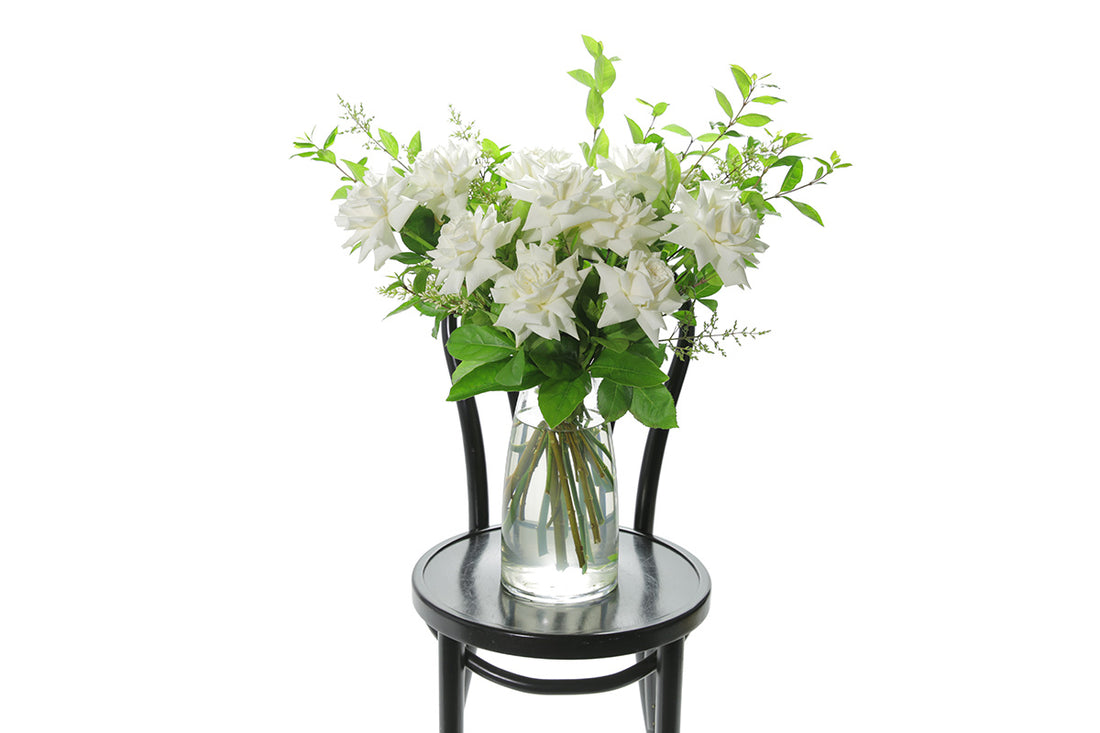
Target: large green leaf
(753, 120)
(559, 398)
(672, 173)
(481, 378)
(613, 399)
(605, 73)
(793, 177)
(653, 407)
(594, 108)
(628, 368)
(724, 102)
(583, 77)
(511, 374)
(389, 142)
(807, 210)
(481, 343)
(556, 359)
(744, 84)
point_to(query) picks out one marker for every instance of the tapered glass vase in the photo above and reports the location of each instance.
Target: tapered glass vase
(560, 522)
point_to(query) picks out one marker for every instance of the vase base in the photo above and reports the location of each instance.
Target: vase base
(558, 587)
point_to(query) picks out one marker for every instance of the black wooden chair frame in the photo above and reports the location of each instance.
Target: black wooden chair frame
(658, 645)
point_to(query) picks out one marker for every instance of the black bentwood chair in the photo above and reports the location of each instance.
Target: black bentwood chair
(663, 594)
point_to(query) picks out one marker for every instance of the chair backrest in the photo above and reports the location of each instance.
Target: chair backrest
(477, 483)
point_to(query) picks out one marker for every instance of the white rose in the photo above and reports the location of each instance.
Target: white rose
(636, 169)
(530, 163)
(375, 210)
(645, 291)
(440, 178)
(538, 297)
(718, 229)
(630, 225)
(466, 249)
(562, 196)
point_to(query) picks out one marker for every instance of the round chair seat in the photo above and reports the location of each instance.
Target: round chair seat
(663, 594)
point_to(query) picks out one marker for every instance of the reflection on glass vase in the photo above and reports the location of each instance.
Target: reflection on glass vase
(560, 524)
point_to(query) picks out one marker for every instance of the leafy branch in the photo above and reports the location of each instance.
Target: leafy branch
(709, 337)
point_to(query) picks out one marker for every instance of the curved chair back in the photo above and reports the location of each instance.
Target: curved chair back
(477, 485)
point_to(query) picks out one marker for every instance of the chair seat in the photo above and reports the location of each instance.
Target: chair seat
(663, 594)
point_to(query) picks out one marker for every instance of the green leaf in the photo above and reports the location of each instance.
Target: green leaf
(491, 149)
(733, 157)
(326, 155)
(710, 303)
(794, 138)
(594, 47)
(744, 84)
(594, 108)
(408, 258)
(332, 136)
(414, 147)
(672, 172)
(709, 282)
(481, 343)
(754, 200)
(793, 177)
(636, 133)
(724, 103)
(659, 108)
(654, 408)
(513, 371)
(419, 232)
(613, 399)
(650, 350)
(768, 100)
(753, 120)
(389, 142)
(356, 169)
(414, 242)
(605, 74)
(618, 345)
(807, 210)
(481, 378)
(627, 368)
(603, 145)
(559, 398)
(341, 193)
(520, 209)
(583, 77)
(404, 306)
(677, 129)
(556, 359)
(685, 317)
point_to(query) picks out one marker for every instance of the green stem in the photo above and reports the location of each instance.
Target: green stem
(559, 461)
(588, 491)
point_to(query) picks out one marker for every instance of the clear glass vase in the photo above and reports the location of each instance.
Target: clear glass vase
(560, 524)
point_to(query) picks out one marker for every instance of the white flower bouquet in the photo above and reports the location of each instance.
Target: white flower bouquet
(565, 270)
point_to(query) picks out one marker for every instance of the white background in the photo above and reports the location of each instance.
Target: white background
(219, 463)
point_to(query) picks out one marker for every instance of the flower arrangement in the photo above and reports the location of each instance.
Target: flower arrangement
(565, 269)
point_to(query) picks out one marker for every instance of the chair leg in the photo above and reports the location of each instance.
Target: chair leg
(670, 675)
(647, 686)
(452, 685)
